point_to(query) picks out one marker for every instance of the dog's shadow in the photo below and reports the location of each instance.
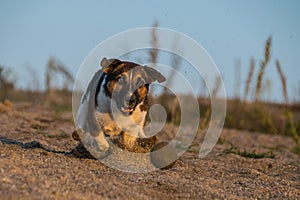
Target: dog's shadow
(79, 151)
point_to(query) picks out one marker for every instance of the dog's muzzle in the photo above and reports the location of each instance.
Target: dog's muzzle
(128, 105)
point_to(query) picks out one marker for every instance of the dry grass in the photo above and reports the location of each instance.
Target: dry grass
(263, 66)
(238, 78)
(54, 68)
(153, 52)
(175, 64)
(6, 84)
(6, 106)
(283, 81)
(249, 78)
(54, 94)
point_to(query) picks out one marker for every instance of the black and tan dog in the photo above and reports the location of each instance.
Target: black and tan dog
(122, 99)
(118, 93)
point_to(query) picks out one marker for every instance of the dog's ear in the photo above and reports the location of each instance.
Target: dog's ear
(108, 65)
(153, 75)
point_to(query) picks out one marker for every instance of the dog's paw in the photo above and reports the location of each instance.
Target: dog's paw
(112, 131)
(75, 136)
(98, 146)
(98, 151)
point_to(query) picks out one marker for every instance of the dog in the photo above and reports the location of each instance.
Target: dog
(117, 97)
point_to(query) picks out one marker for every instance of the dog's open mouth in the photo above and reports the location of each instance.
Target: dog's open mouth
(127, 110)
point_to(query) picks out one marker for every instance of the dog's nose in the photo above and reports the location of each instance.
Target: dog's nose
(127, 101)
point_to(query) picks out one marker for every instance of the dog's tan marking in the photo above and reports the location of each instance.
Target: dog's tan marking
(138, 116)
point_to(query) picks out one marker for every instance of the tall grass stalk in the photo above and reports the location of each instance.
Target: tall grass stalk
(175, 64)
(283, 81)
(292, 126)
(238, 78)
(6, 84)
(56, 67)
(216, 87)
(153, 52)
(263, 65)
(249, 78)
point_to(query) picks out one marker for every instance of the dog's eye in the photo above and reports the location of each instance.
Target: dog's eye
(121, 79)
(140, 83)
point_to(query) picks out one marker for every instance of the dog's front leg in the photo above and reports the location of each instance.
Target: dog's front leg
(108, 125)
(138, 120)
(97, 146)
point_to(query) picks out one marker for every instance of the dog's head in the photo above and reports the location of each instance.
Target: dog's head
(127, 83)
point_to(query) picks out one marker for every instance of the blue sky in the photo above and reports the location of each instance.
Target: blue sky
(32, 31)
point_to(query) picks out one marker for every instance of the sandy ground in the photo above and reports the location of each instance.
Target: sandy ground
(36, 162)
